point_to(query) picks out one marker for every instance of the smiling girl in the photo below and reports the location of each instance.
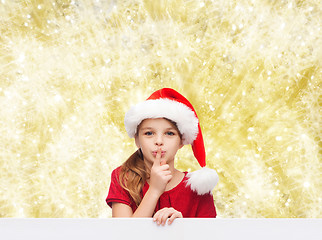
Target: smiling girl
(148, 184)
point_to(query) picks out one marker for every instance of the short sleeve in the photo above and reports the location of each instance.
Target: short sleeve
(206, 207)
(116, 193)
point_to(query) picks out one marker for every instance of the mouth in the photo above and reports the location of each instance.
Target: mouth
(154, 153)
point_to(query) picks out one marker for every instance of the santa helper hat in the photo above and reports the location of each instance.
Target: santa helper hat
(167, 103)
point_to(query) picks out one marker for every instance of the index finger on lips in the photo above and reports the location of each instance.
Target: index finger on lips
(162, 160)
(157, 159)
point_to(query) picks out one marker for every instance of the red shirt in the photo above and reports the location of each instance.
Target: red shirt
(181, 198)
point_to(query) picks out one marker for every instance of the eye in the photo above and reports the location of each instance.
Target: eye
(148, 133)
(170, 133)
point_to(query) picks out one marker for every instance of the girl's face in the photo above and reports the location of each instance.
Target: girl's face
(158, 133)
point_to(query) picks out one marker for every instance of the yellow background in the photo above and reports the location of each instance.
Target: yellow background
(71, 69)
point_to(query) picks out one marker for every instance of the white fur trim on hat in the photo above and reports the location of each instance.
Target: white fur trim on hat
(203, 180)
(185, 118)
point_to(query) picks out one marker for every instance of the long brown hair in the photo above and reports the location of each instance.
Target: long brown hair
(133, 176)
(133, 172)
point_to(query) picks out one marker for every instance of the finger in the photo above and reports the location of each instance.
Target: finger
(164, 217)
(173, 216)
(157, 159)
(164, 167)
(156, 217)
(159, 220)
(168, 178)
(163, 162)
(166, 172)
(161, 216)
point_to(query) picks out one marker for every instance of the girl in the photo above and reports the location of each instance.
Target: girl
(147, 184)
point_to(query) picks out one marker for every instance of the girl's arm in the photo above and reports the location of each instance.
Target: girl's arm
(145, 209)
(147, 206)
(121, 210)
(160, 176)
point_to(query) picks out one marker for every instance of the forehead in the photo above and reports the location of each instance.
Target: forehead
(156, 123)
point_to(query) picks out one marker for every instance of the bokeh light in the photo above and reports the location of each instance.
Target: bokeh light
(71, 69)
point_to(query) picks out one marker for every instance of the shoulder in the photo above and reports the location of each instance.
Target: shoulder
(116, 173)
(116, 192)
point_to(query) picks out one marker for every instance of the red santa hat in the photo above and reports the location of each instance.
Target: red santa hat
(168, 103)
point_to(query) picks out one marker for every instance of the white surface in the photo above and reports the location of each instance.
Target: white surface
(117, 228)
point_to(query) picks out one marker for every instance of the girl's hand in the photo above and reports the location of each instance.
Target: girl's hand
(160, 174)
(161, 216)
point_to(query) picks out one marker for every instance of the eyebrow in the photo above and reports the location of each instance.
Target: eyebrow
(171, 128)
(145, 128)
(149, 128)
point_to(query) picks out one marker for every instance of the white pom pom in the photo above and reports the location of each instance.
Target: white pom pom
(203, 180)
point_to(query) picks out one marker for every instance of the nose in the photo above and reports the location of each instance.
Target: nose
(159, 140)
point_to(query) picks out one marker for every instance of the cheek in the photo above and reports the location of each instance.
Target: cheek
(143, 145)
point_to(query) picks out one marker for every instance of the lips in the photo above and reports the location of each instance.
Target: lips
(154, 153)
